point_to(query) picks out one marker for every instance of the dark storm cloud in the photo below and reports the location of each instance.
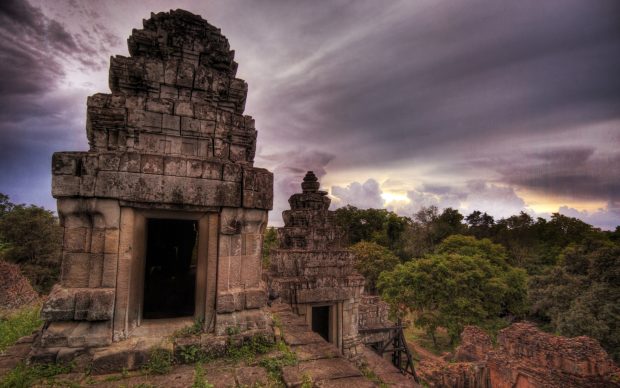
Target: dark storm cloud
(36, 119)
(573, 172)
(33, 49)
(455, 91)
(455, 84)
(455, 72)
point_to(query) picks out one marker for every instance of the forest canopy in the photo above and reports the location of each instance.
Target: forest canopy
(456, 269)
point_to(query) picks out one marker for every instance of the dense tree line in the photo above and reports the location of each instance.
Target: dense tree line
(31, 237)
(454, 270)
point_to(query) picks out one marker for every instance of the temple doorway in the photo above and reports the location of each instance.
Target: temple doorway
(170, 268)
(321, 321)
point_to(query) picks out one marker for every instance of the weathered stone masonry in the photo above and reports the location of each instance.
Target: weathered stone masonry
(170, 142)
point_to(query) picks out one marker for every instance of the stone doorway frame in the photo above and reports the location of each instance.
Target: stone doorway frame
(132, 260)
(335, 317)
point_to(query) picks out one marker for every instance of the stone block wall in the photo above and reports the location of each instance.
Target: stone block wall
(373, 322)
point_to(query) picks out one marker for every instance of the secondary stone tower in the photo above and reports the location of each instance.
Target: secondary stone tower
(163, 216)
(312, 270)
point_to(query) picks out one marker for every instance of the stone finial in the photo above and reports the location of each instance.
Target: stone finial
(311, 183)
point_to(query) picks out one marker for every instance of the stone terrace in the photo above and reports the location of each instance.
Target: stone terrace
(322, 362)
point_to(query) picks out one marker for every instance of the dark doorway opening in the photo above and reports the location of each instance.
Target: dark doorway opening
(320, 321)
(170, 270)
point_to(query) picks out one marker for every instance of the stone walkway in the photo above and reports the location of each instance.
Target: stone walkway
(321, 362)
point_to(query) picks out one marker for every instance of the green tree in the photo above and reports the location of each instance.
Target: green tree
(431, 227)
(480, 224)
(465, 282)
(377, 225)
(31, 237)
(471, 246)
(581, 295)
(371, 260)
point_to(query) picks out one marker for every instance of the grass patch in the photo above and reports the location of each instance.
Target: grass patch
(189, 331)
(25, 376)
(306, 381)
(274, 365)
(424, 340)
(17, 324)
(159, 363)
(249, 349)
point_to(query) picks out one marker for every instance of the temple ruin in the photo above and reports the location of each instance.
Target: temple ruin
(163, 216)
(313, 272)
(522, 356)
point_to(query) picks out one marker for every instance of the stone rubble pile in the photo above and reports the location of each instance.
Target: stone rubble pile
(525, 357)
(15, 290)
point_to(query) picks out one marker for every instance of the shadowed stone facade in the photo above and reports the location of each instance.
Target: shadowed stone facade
(311, 269)
(170, 142)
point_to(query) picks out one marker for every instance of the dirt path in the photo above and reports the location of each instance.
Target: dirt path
(419, 353)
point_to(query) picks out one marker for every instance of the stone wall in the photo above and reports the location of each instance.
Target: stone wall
(169, 141)
(373, 322)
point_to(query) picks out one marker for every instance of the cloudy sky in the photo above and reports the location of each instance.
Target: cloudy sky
(500, 106)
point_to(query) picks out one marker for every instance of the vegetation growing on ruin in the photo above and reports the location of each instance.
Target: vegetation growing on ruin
(160, 362)
(269, 242)
(25, 376)
(274, 365)
(190, 330)
(200, 378)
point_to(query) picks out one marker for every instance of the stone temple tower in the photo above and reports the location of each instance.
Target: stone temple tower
(313, 272)
(163, 216)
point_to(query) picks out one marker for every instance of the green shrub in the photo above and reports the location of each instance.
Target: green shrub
(191, 354)
(200, 379)
(160, 362)
(250, 349)
(306, 381)
(189, 331)
(274, 365)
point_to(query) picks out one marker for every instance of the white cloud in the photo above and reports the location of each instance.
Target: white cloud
(362, 195)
